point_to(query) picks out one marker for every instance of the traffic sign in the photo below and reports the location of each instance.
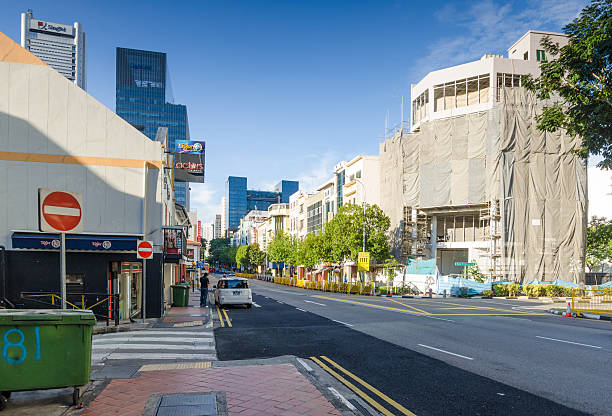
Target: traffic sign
(363, 261)
(60, 211)
(464, 264)
(144, 250)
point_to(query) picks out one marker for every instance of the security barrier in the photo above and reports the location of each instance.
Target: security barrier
(594, 300)
(324, 286)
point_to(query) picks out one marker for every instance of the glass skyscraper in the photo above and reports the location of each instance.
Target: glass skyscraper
(240, 200)
(144, 99)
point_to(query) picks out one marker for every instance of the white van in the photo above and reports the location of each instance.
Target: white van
(233, 291)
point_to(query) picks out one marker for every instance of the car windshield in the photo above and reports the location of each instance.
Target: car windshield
(236, 284)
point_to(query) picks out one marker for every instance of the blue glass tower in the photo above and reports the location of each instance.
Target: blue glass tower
(144, 99)
(240, 200)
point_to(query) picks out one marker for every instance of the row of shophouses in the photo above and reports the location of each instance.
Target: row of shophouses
(471, 180)
(54, 135)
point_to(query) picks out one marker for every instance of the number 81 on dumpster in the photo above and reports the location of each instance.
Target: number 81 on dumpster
(13, 346)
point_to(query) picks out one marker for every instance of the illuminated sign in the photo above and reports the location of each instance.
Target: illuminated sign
(189, 146)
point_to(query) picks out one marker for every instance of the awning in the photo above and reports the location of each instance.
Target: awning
(88, 242)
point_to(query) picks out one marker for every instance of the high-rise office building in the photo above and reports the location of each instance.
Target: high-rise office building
(239, 200)
(62, 47)
(217, 226)
(144, 99)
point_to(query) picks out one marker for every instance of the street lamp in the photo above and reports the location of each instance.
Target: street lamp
(363, 238)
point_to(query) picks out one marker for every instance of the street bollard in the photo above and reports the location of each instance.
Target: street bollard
(430, 296)
(444, 293)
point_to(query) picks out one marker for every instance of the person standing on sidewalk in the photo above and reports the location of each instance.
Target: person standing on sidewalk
(204, 291)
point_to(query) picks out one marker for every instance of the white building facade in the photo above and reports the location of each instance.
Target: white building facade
(62, 47)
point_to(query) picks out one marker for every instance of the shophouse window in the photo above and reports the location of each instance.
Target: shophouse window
(508, 81)
(526, 56)
(540, 56)
(358, 174)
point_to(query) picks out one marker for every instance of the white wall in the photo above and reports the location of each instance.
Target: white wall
(42, 113)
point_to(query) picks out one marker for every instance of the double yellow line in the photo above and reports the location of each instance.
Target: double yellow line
(358, 391)
(227, 319)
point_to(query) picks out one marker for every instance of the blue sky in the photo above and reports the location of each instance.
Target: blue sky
(286, 89)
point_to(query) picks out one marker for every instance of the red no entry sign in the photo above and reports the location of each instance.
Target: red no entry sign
(144, 250)
(60, 211)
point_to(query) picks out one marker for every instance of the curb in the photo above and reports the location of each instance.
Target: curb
(582, 315)
(122, 328)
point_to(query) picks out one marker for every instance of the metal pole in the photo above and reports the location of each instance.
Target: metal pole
(144, 290)
(63, 269)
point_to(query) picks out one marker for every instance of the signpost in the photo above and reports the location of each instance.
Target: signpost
(144, 251)
(60, 212)
(363, 262)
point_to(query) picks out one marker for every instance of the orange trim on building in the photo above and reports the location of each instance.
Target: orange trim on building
(79, 160)
(10, 51)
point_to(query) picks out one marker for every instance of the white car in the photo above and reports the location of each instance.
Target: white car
(233, 291)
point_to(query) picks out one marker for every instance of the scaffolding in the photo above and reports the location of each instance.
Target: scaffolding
(490, 222)
(416, 233)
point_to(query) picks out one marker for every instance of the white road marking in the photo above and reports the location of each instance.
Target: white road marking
(153, 333)
(300, 309)
(316, 303)
(256, 305)
(445, 352)
(306, 366)
(55, 210)
(169, 340)
(343, 323)
(159, 356)
(569, 342)
(152, 347)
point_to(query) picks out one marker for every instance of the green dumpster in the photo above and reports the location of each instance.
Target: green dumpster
(180, 295)
(44, 349)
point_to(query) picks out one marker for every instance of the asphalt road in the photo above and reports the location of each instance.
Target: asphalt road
(438, 356)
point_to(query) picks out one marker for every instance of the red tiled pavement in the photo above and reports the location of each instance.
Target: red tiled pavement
(250, 390)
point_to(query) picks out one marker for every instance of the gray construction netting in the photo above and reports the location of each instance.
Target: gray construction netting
(497, 155)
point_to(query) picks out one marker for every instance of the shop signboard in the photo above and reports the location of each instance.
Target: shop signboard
(189, 156)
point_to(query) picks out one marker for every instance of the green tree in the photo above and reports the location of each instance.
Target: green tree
(242, 257)
(217, 251)
(343, 235)
(599, 242)
(229, 256)
(308, 253)
(582, 77)
(390, 269)
(256, 256)
(281, 249)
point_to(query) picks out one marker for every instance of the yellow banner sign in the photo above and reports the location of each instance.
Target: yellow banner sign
(363, 262)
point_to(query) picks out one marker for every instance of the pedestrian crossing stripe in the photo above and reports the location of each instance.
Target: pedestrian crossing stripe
(181, 366)
(192, 323)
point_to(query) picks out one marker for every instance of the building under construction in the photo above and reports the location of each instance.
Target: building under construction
(476, 181)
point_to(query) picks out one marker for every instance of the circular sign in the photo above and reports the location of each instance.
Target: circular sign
(61, 211)
(144, 250)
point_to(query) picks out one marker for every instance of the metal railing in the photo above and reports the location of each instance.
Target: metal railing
(55, 301)
(595, 300)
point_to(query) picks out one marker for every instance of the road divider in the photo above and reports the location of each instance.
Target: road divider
(378, 406)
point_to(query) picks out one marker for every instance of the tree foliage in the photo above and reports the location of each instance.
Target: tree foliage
(242, 257)
(343, 235)
(599, 242)
(221, 253)
(390, 268)
(280, 249)
(256, 256)
(582, 77)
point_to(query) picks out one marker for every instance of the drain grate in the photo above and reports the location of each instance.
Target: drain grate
(187, 404)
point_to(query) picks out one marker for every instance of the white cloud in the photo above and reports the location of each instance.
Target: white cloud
(320, 169)
(488, 26)
(205, 200)
(600, 192)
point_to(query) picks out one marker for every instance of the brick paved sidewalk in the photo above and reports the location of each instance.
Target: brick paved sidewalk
(274, 389)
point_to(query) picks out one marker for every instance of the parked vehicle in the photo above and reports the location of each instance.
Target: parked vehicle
(233, 291)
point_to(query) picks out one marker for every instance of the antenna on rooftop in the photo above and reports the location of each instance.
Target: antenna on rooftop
(402, 122)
